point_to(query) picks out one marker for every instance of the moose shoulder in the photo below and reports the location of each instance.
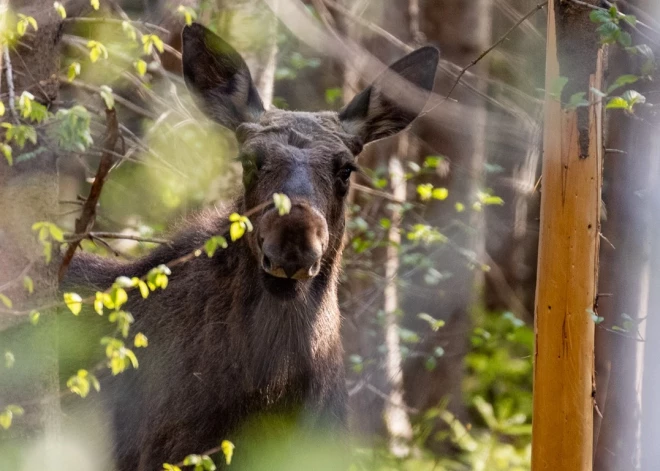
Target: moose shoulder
(255, 328)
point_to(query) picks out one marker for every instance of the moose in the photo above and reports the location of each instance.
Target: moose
(256, 327)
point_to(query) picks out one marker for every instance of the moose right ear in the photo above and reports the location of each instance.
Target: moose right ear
(218, 78)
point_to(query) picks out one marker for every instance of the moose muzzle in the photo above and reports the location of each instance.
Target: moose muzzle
(292, 245)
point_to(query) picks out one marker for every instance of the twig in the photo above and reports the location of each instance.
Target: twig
(10, 82)
(86, 19)
(20, 277)
(382, 194)
(86, 220)
(119, 99)
(114, 235)
(494, 45)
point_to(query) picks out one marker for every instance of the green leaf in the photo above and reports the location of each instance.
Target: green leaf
(577, 100)
(282, 203)
(96, 50)
(333, 95)
(144, 289)
(211, 245)
(633, 98)
(140, 67)
(599, 16)
(170, 467)
(149, 41)
(6, 301)
(73, 71)
(236, 231)
(60, 9)
(228, 450)
(6, 150)
(129, 30)
(28, 284)
(140, 340)
(425, 191)
(108, 98)
(8, 414)
(440, 194)
(434, 323)
(616, 103)
(74, 302)
(188, 14)
(34, 317)
(9, 359)
(557, 87)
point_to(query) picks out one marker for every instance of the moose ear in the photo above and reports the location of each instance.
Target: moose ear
(218, 78)
(395, 98)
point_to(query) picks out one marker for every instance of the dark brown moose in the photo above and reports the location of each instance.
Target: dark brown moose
(255, 328)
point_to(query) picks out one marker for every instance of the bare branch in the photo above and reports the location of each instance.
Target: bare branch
(86, 220)
(497, 43)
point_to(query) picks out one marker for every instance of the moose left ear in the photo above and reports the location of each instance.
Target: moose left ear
(218, 78)
(395, 98)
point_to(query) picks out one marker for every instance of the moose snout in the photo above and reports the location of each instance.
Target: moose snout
(292, 245)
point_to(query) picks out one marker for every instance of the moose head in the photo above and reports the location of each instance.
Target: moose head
(307, 156)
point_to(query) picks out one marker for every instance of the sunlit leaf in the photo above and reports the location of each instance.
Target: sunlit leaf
(228, 450)
(74, 302)
(4, 299)
(60, 9)
(282, 203)
(140, 340)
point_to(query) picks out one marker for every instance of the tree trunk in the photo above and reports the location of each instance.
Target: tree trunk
(29, 194)
(462, 30)
(568, 247)
(380, 405)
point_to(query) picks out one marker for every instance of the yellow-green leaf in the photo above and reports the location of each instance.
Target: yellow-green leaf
(108, 97)
(2, 108)
(73, 72)
(28, 284)
(140, 340)
(460, 207)
(228, 450)
(74, 302)
(95, 4)
(440, 193)
(6, 301)
(9, 359)
(140, 67)
(60, 9)
(282, 203)
(236, 231)
(34, 317)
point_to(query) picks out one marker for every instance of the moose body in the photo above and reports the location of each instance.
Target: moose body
(255, 328)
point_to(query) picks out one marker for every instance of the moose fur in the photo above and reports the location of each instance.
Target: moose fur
(231, 337)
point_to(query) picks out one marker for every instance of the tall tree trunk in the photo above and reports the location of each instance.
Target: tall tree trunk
(568, 247)
(29, 194)
(380, 405)
(631, 175)
(462, 30)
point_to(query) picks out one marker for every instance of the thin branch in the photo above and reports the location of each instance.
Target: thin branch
(494, 45)
(18, 278)
(113, 235)
(119, 99)
(117, 21)
(86, 220)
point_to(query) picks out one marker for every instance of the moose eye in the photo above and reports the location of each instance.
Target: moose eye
(345, 173)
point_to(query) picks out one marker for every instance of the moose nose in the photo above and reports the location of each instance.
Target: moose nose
(293, 244)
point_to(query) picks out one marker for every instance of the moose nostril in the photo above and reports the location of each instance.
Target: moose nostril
(314, 269)
(265, 263)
